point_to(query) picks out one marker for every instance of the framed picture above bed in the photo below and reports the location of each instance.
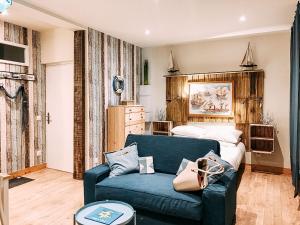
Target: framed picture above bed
(211, 99)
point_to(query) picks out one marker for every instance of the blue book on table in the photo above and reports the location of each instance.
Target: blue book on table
(104, 215)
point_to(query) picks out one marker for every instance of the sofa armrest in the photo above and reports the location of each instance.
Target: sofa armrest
(91, 178)
(219, 200)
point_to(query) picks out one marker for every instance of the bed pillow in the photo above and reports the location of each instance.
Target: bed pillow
(189, 131)
(123, 161)
(224, 135)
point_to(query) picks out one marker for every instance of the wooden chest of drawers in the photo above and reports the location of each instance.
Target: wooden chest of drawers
(124, 120)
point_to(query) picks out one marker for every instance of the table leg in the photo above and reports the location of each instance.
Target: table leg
(134, 217)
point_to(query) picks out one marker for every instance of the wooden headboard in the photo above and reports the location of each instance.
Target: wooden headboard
(248, 98)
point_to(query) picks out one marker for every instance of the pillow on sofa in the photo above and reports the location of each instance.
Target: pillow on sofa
(213, 178)
(182, 166)
(146, 165)
(123, 161)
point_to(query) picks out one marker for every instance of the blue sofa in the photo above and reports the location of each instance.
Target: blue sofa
(153, 196)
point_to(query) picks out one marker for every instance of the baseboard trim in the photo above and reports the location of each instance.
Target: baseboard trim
(267, 169)
(28, 170)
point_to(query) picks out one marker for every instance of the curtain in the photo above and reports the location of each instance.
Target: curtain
(294, 102)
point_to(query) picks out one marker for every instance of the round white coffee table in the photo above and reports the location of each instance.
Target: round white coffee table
(129, 213)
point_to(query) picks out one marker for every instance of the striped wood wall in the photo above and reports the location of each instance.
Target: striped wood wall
(20, 150)
(248, 98)
(107, 57)
(79, 104)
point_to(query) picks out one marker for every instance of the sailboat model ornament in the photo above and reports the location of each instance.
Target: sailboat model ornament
(172, 68)
(248, 61)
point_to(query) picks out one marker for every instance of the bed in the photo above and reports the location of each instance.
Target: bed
(232, 149)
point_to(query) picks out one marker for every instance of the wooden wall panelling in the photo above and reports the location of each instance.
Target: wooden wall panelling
(113, 68)
(8, 130)
(128, 71)
(107, 57)
(3, 131)
(249, 88)
(16, 143)
(31, 118)
(96, 97)
(39, 99)
(79, 104)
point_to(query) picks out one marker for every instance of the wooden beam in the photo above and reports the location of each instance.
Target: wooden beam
(28, 170)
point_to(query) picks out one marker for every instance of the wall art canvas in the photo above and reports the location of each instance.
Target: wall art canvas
(213, 99)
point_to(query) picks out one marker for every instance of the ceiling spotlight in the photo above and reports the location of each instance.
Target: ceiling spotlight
(4, 13)
(147, 32)
(4, 5)
(242, 18)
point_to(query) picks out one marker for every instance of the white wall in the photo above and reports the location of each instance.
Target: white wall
(271, 52)
(57, 45)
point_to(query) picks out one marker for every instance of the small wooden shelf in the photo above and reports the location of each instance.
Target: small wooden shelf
(162, 127)
(261, 138)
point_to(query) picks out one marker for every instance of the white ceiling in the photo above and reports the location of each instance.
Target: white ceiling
(173, 21)
(35, 19)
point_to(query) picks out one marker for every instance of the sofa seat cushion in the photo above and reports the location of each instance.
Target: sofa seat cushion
(152, 192)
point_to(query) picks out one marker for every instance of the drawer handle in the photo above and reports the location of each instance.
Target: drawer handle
(129, 118)
(129, 132)
(142, 117)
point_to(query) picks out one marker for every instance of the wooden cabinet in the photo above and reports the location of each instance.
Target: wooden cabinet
(162, 127)
(262, 138)
(124, 120)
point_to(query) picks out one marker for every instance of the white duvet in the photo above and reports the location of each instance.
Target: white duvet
(232, 153)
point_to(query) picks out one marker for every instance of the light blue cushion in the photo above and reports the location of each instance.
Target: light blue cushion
(146, 165)
(182, 166)
(153, 192)
(123, 161)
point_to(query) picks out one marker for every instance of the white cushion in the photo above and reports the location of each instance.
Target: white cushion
(188, 131)
(224, 135)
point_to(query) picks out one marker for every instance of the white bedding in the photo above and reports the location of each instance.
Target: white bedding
(231, 153)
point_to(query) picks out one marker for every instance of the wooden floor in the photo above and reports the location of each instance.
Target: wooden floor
(263, 199)
(51, 199)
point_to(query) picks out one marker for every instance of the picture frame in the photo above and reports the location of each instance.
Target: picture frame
(211, 99)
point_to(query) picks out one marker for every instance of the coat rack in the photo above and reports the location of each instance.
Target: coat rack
(19, 91)
(16, 76)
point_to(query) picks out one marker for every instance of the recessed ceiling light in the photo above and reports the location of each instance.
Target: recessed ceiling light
(243, 18)
(147, 32)
(4, 13)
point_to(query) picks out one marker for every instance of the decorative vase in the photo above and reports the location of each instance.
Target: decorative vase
(146, 77)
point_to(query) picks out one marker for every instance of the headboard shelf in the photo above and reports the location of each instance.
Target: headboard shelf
(210, 73)
(247, 99)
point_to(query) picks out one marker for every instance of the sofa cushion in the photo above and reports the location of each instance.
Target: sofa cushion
(152, 192)
(168, 152)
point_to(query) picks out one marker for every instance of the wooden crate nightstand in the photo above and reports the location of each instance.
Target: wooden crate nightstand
(261, 138)
(162, 128)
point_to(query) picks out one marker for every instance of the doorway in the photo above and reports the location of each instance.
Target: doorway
(60, 116)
